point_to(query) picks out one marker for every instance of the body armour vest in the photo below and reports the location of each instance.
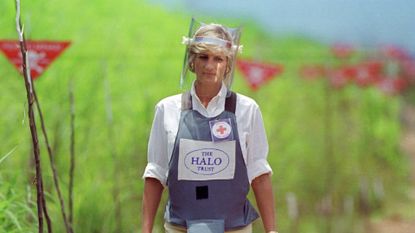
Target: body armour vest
(207, 176)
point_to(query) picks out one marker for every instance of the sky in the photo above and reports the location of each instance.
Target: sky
(363, 23)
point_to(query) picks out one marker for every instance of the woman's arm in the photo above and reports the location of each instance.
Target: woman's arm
(262, 187)
(153, 190)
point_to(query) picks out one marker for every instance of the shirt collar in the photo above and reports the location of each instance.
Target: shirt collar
(215, 106)
(222, 92)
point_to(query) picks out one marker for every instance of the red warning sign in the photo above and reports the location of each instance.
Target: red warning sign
(41, 54)
(258, 73)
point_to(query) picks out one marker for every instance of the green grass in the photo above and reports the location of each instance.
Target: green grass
(136, 47)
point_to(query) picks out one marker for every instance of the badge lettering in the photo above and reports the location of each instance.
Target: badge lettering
(206, 161)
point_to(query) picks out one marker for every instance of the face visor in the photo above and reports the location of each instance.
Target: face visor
(214, 38)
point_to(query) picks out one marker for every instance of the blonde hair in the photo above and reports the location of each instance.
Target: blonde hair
(216, 32)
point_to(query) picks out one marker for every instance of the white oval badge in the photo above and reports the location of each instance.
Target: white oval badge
(207, 161)
(221, 129)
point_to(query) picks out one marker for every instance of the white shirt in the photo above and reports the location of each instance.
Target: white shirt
(251, 131)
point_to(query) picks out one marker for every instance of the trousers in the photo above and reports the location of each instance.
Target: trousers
(177, 229)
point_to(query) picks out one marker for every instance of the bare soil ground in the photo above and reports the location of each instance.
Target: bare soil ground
(397, 223)
(393, 226)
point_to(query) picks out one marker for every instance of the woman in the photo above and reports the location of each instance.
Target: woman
(208, 146)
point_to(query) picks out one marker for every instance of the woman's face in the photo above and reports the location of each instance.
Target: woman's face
(210, 67)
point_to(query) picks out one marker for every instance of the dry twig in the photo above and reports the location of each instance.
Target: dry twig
(72, 152)
(41, 204)
(52, 165)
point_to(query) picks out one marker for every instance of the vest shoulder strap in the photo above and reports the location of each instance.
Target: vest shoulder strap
(230, 102)
(186, 101)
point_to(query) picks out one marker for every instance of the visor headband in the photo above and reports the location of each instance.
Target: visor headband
(207, 40)
(214, 41)
(210, 40)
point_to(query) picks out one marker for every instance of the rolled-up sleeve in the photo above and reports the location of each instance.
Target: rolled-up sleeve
(157, 157)
(257, 147)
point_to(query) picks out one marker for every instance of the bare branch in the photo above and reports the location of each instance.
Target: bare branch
(72, 152)
(32, 122)
(52, 165)
(41, 203)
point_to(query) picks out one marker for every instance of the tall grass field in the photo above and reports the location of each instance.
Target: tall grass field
(334, 152)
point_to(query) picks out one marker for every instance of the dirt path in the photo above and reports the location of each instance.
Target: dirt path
(408, 137)
(394, 226)
(397, 224)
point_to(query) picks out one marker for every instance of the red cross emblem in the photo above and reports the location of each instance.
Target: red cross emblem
(221, 129)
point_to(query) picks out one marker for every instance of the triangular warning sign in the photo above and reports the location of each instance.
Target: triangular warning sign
(258, 73)
(41, 54)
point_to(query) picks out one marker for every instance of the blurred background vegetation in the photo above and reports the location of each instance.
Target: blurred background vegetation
(336, 153)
